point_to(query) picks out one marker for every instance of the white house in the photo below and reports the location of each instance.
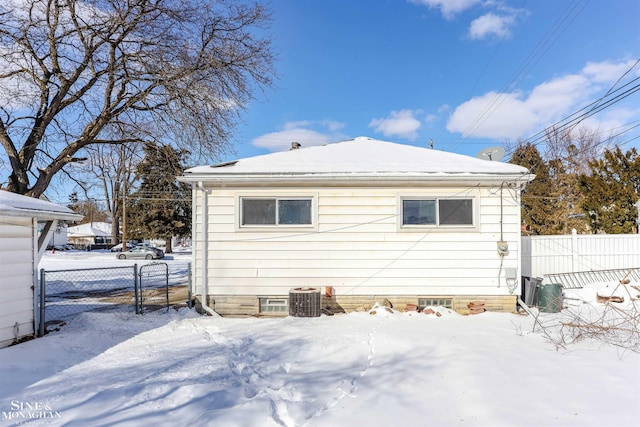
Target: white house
(359, 220)
(91, 234)
(21, 247)
(58, 237)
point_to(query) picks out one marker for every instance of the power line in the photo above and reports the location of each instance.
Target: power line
(543, 46)
(592, 109)
(610, 89)
(569, 120)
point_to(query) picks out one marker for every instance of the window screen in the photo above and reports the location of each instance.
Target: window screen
(455, 211)
(258, 211)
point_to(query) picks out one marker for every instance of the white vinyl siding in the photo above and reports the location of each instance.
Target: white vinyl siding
(355, 246)
(17, 279)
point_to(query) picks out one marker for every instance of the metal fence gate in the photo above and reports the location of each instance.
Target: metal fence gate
(153, 287)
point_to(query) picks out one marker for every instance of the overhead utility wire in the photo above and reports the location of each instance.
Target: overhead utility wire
(610, 89)
(595, 107)
(550, 38)
(613, 137)
(538, 137)
(568, 121)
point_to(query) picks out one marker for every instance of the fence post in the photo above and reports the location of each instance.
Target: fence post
(574, 249)
(136, 284)
(41, 309)
(166, 283)
(189, 290)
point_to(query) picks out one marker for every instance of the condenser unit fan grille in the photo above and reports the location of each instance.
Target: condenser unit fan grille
(305, 302)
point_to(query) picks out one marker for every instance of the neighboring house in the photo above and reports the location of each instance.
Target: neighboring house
(58, 237)
(21, 247)
(361, 220)
(92, 235)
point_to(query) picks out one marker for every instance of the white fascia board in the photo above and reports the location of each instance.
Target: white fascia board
(40, 215)
(355, 179)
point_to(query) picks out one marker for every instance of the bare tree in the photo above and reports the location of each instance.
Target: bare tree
(178, 71)
(114, 168)
(568, 152)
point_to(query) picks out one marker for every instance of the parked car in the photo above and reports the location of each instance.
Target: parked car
(142, 251)
(118, 247)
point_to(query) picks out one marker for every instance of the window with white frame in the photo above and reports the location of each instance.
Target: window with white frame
(437, 212)
(276, 211)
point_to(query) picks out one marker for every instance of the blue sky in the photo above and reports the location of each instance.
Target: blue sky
(467, 74)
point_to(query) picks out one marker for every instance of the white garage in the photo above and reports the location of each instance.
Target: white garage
(21, 247)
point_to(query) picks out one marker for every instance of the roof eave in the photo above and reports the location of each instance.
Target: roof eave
(360, 179)
(41, 215)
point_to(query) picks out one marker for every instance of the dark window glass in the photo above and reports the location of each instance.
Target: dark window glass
(455, 212)
(294, 211)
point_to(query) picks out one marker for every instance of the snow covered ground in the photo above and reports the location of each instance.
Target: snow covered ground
(358, 369)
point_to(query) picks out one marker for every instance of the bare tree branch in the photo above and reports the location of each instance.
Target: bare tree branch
(174, 72)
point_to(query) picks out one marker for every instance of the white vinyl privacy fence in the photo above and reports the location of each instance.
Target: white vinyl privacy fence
(545, 255)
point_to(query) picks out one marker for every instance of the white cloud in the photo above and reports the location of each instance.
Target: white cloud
(333, 125)
(517, 114)
(608, 71)
(297, 124)
(448, 8)
(299, 131)
(430, 118)
(552, 99)
(491, 24)
(496, 23)
(493, 115)
(399, 123)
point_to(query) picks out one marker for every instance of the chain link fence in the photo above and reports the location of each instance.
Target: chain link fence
(65, 293)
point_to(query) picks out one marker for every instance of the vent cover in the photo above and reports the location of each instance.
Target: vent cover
(305, 302)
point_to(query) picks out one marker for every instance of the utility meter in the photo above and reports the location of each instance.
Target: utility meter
(503, 248)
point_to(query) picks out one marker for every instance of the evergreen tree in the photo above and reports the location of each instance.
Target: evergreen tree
(161, 206)
(537, 196)
(611, 190)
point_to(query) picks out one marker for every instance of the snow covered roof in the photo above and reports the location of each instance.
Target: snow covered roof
(90, 229)
(12, 204)
(360, 157)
